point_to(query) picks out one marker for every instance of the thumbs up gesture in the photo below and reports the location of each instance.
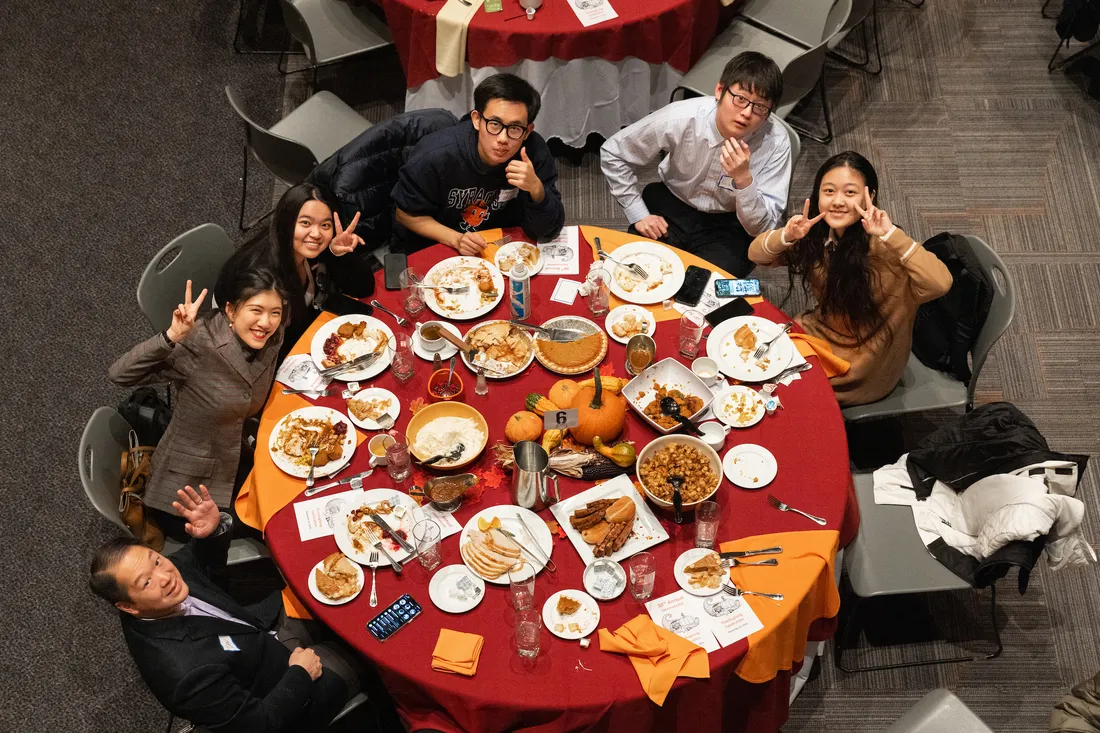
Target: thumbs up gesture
(521, 174)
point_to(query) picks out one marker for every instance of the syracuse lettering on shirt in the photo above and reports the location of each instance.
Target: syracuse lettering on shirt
(476, 204)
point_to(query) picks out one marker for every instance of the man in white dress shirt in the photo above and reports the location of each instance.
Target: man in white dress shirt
(727, 171)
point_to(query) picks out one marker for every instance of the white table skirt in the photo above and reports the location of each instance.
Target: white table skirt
(579, 97)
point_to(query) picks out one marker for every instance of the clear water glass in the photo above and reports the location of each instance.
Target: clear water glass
(398, 460)
(643, 574)
(706, 524)
(528, 631)
(412, 295)
(429, 550)
(521, 580)
(691, 333)
(599, 294)
(404, 364)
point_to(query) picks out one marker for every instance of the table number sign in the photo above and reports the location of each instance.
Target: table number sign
(561, 419)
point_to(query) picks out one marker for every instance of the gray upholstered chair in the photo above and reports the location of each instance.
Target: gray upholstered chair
(939, 712)
(801, 21)
(796, 150)
(196, 255)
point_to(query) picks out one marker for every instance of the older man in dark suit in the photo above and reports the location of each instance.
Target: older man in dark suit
(207, 658)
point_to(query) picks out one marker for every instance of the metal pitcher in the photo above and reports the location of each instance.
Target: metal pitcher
(530, 477)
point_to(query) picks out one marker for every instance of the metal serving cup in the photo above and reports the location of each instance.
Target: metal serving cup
(452, 504)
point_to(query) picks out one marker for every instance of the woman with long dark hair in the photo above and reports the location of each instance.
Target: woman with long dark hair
(222, 365)
(867, 275)
(312, 254)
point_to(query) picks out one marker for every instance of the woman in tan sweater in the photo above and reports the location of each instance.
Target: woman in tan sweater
(867, 275)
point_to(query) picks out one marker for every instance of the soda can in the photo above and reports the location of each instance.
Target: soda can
(519, 291)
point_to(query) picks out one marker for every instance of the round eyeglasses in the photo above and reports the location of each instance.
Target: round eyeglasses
(494, 126)
(740, 102)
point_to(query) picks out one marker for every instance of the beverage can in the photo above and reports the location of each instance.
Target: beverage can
(519, 291)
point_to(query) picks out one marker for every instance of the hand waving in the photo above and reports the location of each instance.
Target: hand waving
(876, 222)
(201, 512)
(183, 317)
(800, 224)
(345, 240)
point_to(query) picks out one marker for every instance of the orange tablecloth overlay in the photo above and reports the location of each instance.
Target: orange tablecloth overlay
(566, 688)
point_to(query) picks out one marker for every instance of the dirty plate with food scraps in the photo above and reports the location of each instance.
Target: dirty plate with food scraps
(739, 406)
(358, 548)
(513, 252)
(737, 362)
(664, 270)
(376, 395)
(644, 322)
(298, 465)
(498, 368)
(672, 375)
(647, 530)
(458, 271)
(689, 557)
(334, 601)
(750, 466)
(576, 625)
(350, 348)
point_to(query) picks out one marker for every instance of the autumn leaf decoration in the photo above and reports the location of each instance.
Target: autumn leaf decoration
(417, 405)
(555, 528)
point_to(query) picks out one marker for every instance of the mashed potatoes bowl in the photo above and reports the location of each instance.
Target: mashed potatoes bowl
(441, 410)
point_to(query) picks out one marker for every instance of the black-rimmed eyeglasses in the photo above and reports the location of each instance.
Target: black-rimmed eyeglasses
(494, 126)
(758, 109)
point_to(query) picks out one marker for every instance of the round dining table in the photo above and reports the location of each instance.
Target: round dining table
(567, 687)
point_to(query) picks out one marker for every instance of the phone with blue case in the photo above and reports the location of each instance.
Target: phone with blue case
(736, 288)
(395, 617)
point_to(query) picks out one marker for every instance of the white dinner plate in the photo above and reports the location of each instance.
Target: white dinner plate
(446, 352)
(687, 558)
(508, 514)
(587, 617)
(499, 370)
(647, 530)
(509, 249)
(624, 310)
(405, 523)
(374, 393)
(317, 351)
(456, 589)
(470, 304)
(750, 466)
(287, 463)
(325, 599)
(721, 348)
(659, 286)
(735, 402)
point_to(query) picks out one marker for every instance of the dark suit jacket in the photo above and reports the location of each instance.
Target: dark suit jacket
(218, 387)
(254, 690)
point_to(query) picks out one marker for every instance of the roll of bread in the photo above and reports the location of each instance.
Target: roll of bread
(594, 535)
(621, 511)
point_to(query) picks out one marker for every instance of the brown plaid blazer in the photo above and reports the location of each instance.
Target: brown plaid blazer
(220, 383)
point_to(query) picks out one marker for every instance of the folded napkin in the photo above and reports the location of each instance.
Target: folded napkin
(808, 346)
(805, 576)
(658, 655)
(457, 652)
(451, 23)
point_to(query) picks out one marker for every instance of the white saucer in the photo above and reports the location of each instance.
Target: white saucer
(750, 466)
(446, 580)
(446, 352)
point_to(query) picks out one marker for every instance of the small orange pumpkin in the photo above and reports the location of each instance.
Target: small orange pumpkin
(563, 392)
(523, 426)
(599, 413)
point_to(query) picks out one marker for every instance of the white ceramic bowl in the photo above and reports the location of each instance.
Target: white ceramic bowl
(671, 374)
(656, 445)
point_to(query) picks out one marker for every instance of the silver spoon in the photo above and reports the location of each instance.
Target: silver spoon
(451, 370)
(312, 460)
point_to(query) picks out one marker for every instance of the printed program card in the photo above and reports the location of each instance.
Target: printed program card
(561, 255)
(318, 517)
(711, 622)
(299, 372)
(591, 12)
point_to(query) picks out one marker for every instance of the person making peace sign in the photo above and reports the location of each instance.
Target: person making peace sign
(867, 276)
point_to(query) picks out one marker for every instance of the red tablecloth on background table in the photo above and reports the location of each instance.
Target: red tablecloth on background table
(674, 32)
(568, 688)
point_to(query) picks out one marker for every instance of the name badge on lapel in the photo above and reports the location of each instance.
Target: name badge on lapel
(228, 644)
(507, 194)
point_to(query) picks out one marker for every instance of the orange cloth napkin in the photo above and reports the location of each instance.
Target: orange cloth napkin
(805, 576)
(658, 655)
(457, 652)
(808, 346)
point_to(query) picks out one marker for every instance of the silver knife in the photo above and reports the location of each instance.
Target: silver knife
(548, 563)
(750, 553)
(361, 362)
(348, 480)
(389, 530)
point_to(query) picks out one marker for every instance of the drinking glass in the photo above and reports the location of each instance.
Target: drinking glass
(398, 461)
(521, 579)
(706, 524)
(643, 573)
(412, 295)
(599, 295)
(528, 630)
(691, 332)
(404, 365)
(429, 551)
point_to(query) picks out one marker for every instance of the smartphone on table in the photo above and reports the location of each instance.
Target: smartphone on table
(695, 282)
(736, 288)
(394, 618)
(732, 309)
(394, 264)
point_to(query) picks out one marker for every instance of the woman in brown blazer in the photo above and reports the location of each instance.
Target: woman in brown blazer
(222, 365)
(867, 275)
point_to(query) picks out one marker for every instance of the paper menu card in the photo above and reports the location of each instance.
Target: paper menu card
(712, 622)
(448, 525)
(318, 517)
(561, 255)
(591, 12)
(299, 372)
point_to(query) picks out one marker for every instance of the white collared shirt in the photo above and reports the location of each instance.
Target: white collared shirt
(692, 170)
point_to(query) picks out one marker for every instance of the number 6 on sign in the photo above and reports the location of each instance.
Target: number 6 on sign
(560, 419)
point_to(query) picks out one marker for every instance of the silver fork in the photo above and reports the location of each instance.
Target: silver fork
(377, 544)
(633, 266)
(373, 577)
(401, 321)
(733, 590)
(452, 289)
(788, 508)
(763, 348)
(733, 562)
(312, 460)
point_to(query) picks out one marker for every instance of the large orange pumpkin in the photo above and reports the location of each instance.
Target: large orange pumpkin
(563, 392)
(523, 426)
(599, 413)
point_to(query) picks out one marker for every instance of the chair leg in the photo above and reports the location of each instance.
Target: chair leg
(915, 3)
(865, 63)
(244, 198)
(811, 134)
(993, 617)
(1043, 11)
(1056, 63)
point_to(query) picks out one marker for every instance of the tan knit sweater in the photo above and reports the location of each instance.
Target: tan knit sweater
(904, 275)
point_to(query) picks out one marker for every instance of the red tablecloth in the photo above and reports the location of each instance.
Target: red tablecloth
(674, 32)
(557, 693)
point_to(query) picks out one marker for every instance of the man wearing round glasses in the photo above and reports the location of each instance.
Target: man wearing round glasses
(489, 171)
(727, 171)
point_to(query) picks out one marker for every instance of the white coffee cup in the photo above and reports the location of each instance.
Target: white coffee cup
(714, 434)
(435, 344)
(706, 369)
(377, 448)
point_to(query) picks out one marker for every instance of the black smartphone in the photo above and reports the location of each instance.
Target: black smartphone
(395, 263)
(732, 309)
(733, 288)
(342, 305)
(394, 618)
(695, 282)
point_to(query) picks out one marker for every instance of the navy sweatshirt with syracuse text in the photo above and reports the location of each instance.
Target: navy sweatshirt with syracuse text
(445, 178)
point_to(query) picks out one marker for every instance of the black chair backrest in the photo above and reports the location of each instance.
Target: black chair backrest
(289, 160)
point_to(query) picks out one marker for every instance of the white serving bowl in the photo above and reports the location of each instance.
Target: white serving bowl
(671, 374)
(656, 445)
